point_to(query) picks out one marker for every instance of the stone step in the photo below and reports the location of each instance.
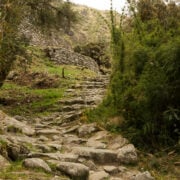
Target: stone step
(47, 132)
(66, 157)
(87, 86)
(76, 171)
(68, 108)
(98, 155)
(78, 101)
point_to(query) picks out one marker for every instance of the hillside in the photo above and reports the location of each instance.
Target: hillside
(62, 113)
(89, 28)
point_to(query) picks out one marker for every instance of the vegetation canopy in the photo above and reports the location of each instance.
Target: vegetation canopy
(145, 81)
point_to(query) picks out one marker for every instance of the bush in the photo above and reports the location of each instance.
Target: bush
(145, 82)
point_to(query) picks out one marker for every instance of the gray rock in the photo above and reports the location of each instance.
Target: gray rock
(36, 163)
(127, 154)
(143, 176)
(43, 147)
(90, 164)
(17, 151)
(122, 169)
(100, 135)
(47, 132)
(117, 142)
(111, 169)
(98, 155)
(56, 147)
(87, 129)
(101, 175)
(72, 139)
(43, 138)
(55, 137)
(75, 170)
(56, 156)
(12, 125)
(71, 129)
(96, 144)
(59, 178)
(3, 163)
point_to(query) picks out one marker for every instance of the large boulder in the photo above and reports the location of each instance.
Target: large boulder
(75, 170)
(36, 163)
(97, 155)
(127, 154)
(10, 124)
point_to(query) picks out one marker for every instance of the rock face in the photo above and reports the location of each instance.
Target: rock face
(64, 56)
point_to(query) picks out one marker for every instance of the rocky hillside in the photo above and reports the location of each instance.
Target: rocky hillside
(89, 28)
(44, 131)
(59, 44)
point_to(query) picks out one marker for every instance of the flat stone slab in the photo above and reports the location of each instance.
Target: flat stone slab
(47, 132)
(56, 156)
(97, 155)
(76, 171)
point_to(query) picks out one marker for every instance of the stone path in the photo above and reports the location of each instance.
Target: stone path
(60, 144)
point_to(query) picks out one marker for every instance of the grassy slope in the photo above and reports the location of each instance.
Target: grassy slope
(29, 100)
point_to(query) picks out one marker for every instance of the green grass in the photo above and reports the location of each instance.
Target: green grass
(25, 100)
(29, 100)
(16, 171)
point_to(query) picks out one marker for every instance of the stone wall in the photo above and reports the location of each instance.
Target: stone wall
(62, 56)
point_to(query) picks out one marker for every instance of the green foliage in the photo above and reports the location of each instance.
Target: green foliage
(144, 86)
(11, 45)
(96, 51)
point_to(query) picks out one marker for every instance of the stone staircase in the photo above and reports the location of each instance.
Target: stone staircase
(62, 145)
